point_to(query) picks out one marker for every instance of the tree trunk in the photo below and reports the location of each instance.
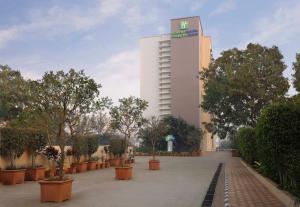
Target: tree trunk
(61, 163)
(153, 151)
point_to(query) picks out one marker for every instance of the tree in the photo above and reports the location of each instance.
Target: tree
(240, 83)
(155, 130)
(187, 137)
(35, 143)
(63, 97)
(296, 68)
(127, 118)
(92, 145)
(13, 93)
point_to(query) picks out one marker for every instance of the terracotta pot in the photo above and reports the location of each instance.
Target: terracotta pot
(92, 165)
(154, 165)
(71, 170)
(35, 174)
(132, 160)
(57, 171)
(12, 177)
(114, 162)
(123, 173)
(106, 165)
(80, 167)
(56, 191)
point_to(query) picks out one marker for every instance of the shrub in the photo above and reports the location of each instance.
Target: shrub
(117, 147)
(92, 145)
(79, 147)
(246, 144)
(12, 144)
(278, 141)
(51, 153)
(36, 141)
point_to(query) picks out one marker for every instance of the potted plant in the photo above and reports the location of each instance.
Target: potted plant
(155, 130)
(53, 156)
(36, 143)
(92, 147)
(106, 161)
(63, 97)
(79, 152)
(72, 168)
(127, 118)
(12, 147)
(116, 146)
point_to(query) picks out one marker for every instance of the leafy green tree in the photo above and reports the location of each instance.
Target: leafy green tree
(296, 68)
(35, 143)
(63, 98)
(13, 143)
(187, 137)
(127, 118)
(92, 145)
(154, 130)
(240, 83)
(13, 93)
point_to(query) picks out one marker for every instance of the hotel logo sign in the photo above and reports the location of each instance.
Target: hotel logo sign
(184, 30)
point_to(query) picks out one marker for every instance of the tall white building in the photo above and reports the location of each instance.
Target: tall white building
(169, 73)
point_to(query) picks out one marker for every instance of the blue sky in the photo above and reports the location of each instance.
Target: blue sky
(102, 36)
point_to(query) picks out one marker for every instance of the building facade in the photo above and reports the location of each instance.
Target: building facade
(169, 73)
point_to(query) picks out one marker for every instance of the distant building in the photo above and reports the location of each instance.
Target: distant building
(169, 73)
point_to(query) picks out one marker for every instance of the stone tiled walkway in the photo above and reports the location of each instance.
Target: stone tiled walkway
(245, 190)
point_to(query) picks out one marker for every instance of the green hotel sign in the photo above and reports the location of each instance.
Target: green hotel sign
(184, 30)
(184, 25)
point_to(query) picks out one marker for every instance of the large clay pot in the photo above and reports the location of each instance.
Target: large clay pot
(35, 174)
(114, 162)
(92, 165)
(123, 173)
(12, 177)
(80, 167)
(71, 170)
(235, 153)
(56, 191)
(154, 165)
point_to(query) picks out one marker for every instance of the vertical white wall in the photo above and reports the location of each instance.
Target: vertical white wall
(149, 74)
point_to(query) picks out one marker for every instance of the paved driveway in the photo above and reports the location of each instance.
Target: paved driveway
(182, 182)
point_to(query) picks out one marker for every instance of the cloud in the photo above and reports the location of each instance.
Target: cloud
(119, 75)
(280, 27)
(196, 5)
(224, 7)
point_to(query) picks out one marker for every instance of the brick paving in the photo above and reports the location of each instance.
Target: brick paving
(245, 190)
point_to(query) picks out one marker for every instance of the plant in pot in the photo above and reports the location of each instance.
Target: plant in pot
(53, 156)
(127, 118)
(72, 168)
(36, 142)
(105, 158)
(79, 152)
(92, 147)
(154, 130)
(64, 97)
(12, 144)
(116, 146)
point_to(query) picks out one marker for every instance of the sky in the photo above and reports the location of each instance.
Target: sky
(102, 36)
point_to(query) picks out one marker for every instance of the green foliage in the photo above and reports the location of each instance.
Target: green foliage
(13, 143)
(13, 93)
(246, 144)
(79, 147)
(278, 141)
(92, 144)
(154, 131)
(187, 137)
(240, 83)
(62, 98)
(296, 75)
(117, 147)
(35, 143)
(127, 118)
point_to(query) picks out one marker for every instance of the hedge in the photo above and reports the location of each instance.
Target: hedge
(246, 144)
(278, 141)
